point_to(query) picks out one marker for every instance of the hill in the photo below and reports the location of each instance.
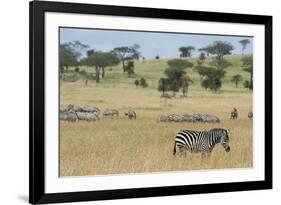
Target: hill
(152, 70)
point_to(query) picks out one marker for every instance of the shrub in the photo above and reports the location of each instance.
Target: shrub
(246, 84)
(137, 82)
(143, 83)
(76, 69)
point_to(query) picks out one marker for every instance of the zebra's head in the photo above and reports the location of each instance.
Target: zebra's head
(225, 139)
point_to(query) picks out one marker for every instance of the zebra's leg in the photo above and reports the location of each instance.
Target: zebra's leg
(182, 151)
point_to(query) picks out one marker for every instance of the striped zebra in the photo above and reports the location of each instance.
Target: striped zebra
(201, 141)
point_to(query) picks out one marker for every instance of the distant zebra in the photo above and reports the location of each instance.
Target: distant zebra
(250, 115)
(69, 116)
(111, 112)
(234, 114)
(91, 109)
(201, 141)
(131, 114)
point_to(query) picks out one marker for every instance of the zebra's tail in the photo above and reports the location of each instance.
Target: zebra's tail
(175, 150)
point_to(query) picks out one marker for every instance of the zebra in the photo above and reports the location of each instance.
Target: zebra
(250, 115)
(69, 116)
(91, 109)
(175, 118)
(87, 116)
(234, 114)
(75, 108)
(131, 114)
(201, 141)
(63, 108)
(111, 112)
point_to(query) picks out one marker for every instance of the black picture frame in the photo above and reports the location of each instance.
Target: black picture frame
(37, 194)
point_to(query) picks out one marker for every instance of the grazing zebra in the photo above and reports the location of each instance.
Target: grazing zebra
(131, 114)
(201, 141)
(111, 112)
(87, 116)
(234, 114)
(91, 109)
(206, 118)
(69, 116)
(250, 115)
(75, 108)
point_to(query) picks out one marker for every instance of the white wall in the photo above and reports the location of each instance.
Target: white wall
(14, 99)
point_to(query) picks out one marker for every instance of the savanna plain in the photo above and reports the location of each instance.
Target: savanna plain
(119, 145)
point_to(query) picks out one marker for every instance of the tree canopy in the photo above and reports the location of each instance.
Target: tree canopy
(244, 44)
(126, 53)
(213, 73)
(68, 56)
(219, 49)
(247, 64)
(236, 79)
(185, 51)
(100, 60)
(176, 77)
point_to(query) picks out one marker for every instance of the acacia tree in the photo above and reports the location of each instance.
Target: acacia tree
(236, 79)
(111, 60)
(247, 64)
(212, 75)
(186, 51)
(126, 53)
(244, 44)
(78, 47)
(205, 50)
(67, 57)
(100, 60)
(175, 73)
(90, 52)
(201, 58)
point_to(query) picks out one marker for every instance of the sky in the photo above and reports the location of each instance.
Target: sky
(165, 45)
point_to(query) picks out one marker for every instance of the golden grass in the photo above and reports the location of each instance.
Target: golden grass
(120, 145)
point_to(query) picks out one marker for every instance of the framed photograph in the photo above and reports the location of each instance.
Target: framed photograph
(130, 102)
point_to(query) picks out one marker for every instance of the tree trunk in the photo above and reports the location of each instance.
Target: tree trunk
(103, 72)
(97, 74)
(236, 83)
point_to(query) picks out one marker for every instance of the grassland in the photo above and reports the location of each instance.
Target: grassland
(120, 145)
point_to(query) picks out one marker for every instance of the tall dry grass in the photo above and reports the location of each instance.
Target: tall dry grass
(120, 145)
